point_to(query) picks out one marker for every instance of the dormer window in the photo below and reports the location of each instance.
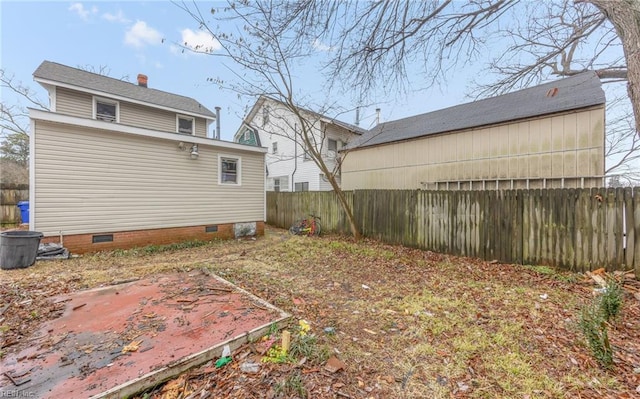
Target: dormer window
(185, 124)
(105, 110)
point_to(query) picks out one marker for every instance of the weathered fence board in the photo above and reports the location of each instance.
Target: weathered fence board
(10, 195)
(576, 229)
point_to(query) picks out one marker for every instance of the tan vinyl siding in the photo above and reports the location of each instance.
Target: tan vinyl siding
(76, 103)
(201, 127)
(569, 146)
(155, 119)
(89, 180)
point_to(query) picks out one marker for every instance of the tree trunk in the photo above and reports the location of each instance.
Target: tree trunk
(345, 206)
(624, 15)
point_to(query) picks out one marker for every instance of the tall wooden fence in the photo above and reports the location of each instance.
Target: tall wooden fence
(576, 229)
(10, 195)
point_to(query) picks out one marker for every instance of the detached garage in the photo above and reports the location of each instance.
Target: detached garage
(546, 136)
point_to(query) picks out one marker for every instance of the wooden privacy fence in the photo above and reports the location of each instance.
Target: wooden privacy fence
(10, 195)
(576, 229)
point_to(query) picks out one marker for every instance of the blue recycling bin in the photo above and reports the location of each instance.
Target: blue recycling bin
(24, 211)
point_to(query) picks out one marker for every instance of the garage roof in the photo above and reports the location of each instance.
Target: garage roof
(575, 92)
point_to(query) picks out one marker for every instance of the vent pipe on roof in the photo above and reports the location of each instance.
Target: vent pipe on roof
(217, 135)
(357, 116)
(377, 116)
(142, 80)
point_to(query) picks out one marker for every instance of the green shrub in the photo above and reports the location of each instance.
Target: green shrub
(611, 300)
(593, 326)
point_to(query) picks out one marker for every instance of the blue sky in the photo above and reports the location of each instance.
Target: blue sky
(140, 37)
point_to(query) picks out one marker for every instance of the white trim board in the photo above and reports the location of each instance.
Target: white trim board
(37, 114)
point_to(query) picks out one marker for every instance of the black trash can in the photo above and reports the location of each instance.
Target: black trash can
(18, 249)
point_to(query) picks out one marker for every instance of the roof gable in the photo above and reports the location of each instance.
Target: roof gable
(579, 91)
(263, 99)
(82, 80)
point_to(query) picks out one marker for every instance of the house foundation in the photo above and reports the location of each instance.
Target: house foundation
(106, 241)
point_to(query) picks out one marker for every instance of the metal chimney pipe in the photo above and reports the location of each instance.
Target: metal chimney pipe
(357, 116)
(377, 116)
(217, 136)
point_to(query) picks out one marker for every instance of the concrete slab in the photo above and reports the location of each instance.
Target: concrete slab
(115, 341)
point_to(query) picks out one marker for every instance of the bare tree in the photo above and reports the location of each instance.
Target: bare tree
(374, 42)
(564, 38)
(262, 57)
(622, 144)
(14, 117)
(558, 38)
(14, 120)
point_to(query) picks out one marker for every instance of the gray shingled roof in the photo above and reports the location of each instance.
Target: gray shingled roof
(82, 79)
(579, 91)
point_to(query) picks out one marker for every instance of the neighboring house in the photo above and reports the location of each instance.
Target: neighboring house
(116, 165)
(272, 125)
(550, 135)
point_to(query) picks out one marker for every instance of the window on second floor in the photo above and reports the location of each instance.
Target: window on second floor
(185, 124)
(303, 186)
(265, 115)
(106, 110)
(274, 147)
(332, 145)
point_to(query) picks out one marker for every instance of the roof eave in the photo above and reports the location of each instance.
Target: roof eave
(577, 109)
(44, 81)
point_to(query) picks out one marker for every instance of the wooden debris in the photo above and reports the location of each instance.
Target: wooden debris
(286, 341)
(118, 282)
(132, 347)
(16, 382)
(334, 365)
(187, 300)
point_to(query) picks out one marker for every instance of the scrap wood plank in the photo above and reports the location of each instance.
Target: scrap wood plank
(172, 370)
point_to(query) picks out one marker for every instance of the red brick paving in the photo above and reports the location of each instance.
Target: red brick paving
(169, 317)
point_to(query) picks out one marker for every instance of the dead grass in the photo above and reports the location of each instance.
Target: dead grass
(409, 323)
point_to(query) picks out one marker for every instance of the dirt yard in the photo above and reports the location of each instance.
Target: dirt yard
(396, 322)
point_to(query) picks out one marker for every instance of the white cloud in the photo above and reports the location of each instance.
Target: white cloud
(82, 12)
(318, 45)
(118, 17)
(200, 42)
(140, 34)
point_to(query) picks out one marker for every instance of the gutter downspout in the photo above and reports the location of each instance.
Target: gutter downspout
(217, 134)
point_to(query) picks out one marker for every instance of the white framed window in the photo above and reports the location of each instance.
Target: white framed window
(278, 183)
(332, 148)
(265, 115)
(230, 170)
(185, 124)
(302, 186)
(106, 110)
(274, 147)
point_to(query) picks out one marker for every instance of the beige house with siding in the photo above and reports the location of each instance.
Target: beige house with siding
(546, 136)
(117, 165)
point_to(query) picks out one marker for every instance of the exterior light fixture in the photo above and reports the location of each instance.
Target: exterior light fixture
(194, 151)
